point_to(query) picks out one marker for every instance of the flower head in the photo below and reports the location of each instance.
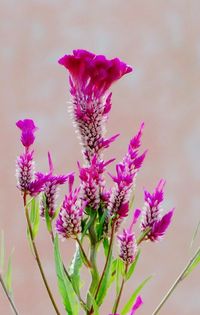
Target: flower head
(51, 190)
(28, 128)
(152, 213)
(90, 78)
(71, 213)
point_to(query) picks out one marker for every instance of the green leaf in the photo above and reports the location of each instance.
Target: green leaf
(2, 252)
(94, 304)
(105, 281)
(119, 273)
(74, 269)
(8, 276)
(89, 223)
(112, 272)
(34, 216)
(193, 265)
(132, 299)
(65, 287)
(133, 265)
(105, 246)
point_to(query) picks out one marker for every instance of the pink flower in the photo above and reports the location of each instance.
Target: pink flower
(152, 213)
(90, 78)
(135, 307)
(28, 128)
(71, 213)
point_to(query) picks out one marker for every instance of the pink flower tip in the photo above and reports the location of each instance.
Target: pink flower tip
(28, 128)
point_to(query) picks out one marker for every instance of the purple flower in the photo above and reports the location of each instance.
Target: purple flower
(135, 307)
(51, 190)
(92, 182)
(71, 213)
(152, 213)
(90, 78)
(24, 171)
(37, 185)
(127, 241)
(28, 128)
(125, 178)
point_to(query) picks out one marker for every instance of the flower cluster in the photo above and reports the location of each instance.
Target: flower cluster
(71, 213)
(152, 213)
(90, 78)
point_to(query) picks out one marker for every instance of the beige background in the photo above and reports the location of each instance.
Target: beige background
(160, 39)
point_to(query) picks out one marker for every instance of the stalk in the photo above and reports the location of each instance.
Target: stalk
(180, 278)
(115, 307)
(8, 296)
(37, 257)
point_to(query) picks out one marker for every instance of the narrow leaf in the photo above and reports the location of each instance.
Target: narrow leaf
(64, 285)
(193, 265)
(8, 276)
(195, 233)
(101, 225)
(35, 216)
(132, 299)
(74, 270)
(94, 304)
(119, 274)
(133, 265)
(106, 246)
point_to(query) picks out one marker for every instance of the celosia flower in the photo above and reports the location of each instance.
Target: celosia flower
(27, 181)
(71, 213)
(127, 241)
(28, 128)
(51, 190)
(92, 182)
(90, 78)
(125, 179)
(152, 213)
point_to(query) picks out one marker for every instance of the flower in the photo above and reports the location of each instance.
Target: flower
(24, 171)
(135, 307)
(28, 128)
(71, 213)
(51, 190)
(127, 241)
(125, 179)
(90, 78)
(92, 182)
(152, 213)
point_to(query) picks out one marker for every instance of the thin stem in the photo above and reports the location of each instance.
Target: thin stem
(38, 258)
(143, 235)
(86, 260)
(115, 307)
(8, 296)
(178, 280)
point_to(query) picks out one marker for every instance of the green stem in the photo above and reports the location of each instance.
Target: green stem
(178, 280)
(115, 307)
(8, 296)
(86, 260)
(37, 257)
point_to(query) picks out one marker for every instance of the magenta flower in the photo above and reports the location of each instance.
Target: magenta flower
(125, 179)
(28, 128)
(92, 182)
(71, 213)
(90, 78)
(37, 185)
(152, 213)
(127, 241)
(135, 307)
(24, 171)
(51, 190)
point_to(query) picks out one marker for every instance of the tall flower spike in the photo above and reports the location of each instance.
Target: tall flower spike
(127, 241)
(125, 179)
(71, 213)
(152, 213)
(27, 181)
(90, 78)
(51, 187)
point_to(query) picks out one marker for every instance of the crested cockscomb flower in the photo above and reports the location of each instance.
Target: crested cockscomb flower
(92, 182)
(127, 241)
(153, 218)
(125, 178)
(90, 78)
(50, 193)
(71, 213)
(27, 181)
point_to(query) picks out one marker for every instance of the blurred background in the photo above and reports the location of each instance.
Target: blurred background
(160, 39)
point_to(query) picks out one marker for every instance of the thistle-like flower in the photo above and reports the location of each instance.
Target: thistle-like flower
(71, 213)
(48, 200)
(152, 213)
(27, 181)
(90, 78)
(127, 241)
(125, 179)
